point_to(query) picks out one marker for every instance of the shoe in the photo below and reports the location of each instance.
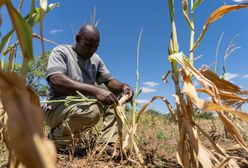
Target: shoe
(110, 151)
(81, 152)
(63, 151)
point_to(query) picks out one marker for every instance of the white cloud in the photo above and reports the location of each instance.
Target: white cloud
(55, 31)
(228, 76)
(150, 84)
(245, 76)
(148, 90)
(240, 1)
(142, 101)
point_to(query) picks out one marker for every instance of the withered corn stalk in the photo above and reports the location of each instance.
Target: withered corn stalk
(191, 152)
(131, 129)
(130, 139)
(25, 134)
(21, 116)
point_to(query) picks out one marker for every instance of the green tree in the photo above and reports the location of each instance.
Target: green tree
(36, 74)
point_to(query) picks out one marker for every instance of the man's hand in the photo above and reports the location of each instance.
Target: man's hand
(127, 90)
(106, 97)
(118, 87)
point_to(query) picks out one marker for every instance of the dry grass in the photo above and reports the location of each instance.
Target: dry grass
(158, 138)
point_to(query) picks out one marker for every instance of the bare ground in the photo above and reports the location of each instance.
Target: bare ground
(157, 142)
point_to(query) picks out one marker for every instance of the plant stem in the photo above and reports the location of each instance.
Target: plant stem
(192, 34)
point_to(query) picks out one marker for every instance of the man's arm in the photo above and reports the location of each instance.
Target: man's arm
(63, 82)
(117, 87)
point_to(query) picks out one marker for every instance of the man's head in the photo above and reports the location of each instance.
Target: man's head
(87, 41)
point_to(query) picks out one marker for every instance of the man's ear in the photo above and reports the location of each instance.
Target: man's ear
(77, 38)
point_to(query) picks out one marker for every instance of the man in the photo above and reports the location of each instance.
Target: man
(73, 68)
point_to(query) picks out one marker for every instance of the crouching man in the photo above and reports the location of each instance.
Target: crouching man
(77, 67)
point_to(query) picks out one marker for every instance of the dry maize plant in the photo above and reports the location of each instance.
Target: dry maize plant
(191, 152)
(21, 115)
(129, 143)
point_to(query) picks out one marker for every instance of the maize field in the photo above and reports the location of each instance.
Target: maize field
(146, 139)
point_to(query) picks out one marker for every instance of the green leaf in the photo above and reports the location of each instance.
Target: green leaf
(137, 94)
(186, 13)
(173, 42)
(140, 90)
(43, 7)
(185, 6)
(35, 16)
(5, 39)
(32, 8)
(81, 95)
(196, 4)
(23, 31)
(35, 13)
(171, 7)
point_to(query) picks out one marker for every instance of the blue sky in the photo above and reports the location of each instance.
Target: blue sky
(120, 24)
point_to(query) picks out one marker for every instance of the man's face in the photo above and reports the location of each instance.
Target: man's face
(86, 47)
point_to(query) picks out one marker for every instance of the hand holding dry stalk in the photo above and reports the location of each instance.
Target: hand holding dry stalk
(106, 97)
(128, 93)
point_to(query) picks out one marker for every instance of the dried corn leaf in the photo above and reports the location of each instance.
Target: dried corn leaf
(182, 154)
(209, 106)
(221, 84)
(201, 152)
(229, 96)
(212, 90)
(217, 148)
(190, 91)
(25, 123)
(142, 110)
(220, 151)
(217, 14)
(2, 120)
(223, 163)
(131, 132)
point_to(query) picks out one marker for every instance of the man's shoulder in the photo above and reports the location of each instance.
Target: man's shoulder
(96, 58)
(63, 51)
(62, 47)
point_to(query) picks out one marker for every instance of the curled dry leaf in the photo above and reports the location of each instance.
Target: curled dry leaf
(190, 91)
(25, 123)
(217, 14)
(221, 84)
(216, 105)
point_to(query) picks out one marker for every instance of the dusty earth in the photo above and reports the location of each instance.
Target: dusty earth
(157, 141)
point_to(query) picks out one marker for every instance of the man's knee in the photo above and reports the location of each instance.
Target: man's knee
(94, 113)
(86, 114)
